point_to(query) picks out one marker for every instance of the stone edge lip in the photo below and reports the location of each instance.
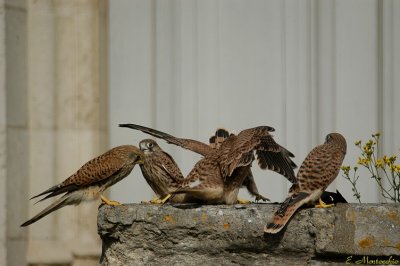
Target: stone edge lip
(341, 231)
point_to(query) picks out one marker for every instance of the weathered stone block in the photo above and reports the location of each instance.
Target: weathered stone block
(136, 234)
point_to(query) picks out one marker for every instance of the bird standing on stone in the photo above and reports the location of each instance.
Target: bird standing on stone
(217, 178)
(319, 169)
(90, 181)
(160, 171)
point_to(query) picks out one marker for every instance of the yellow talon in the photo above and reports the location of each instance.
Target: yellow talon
(165, 198)
(109, 202)
(156, 200)
(323, 204)
(243, 201)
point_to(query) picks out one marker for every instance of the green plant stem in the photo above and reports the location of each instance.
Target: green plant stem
(396, 185)
(358, 195)
(388, 179)
(383, 190)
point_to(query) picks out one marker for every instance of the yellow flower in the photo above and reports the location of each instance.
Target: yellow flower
(379, 163)
(346, 169)
(369, 143)
(386, 159)
(368, 151)
(398, 168)
(392, 168)
(377, 134)
(393, 158)
(357, 143)
(363, 161)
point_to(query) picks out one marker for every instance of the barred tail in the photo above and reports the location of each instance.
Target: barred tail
(285, 212)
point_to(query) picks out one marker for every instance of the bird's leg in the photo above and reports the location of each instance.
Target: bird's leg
(108, 201)
(158, 200)
(155, 200)
(165, 198)
(243, 201)
(322, 204)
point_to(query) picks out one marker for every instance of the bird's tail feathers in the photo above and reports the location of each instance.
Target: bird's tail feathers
(220, 136)
(59, 203)
(52, 189)
(55, 191)
(285, 212)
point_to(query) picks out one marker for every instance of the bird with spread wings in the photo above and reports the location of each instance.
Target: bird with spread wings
(218, 176)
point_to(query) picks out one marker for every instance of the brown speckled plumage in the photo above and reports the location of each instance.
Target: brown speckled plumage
(91, 179)
(215, 142)
(318, 170)
(218, 176)
(229, 165)
(159, 169)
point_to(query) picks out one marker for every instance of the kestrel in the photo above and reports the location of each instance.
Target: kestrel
(90, 181)
(319, 169)
(160, 170)
(217, 177)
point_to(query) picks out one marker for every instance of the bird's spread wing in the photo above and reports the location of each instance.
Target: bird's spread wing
(238, 150)
(190, 144)
(279, 162)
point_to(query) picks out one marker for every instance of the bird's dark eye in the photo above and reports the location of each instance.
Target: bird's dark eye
(150, 145)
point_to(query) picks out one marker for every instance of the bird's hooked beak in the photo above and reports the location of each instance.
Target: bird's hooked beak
(146, 150)
(143, 147)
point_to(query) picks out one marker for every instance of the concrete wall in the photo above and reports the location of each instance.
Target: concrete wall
(3, 141)
(17, 121)
(306, 68)
(53, 118)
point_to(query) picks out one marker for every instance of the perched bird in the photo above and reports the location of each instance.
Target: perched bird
(90, 181)
(160, 171)
(319, 169)
(217, 178)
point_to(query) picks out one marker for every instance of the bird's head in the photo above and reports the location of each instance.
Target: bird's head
(337, 139)
(148, 145)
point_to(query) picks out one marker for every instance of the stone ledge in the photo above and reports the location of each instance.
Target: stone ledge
(137, 234)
